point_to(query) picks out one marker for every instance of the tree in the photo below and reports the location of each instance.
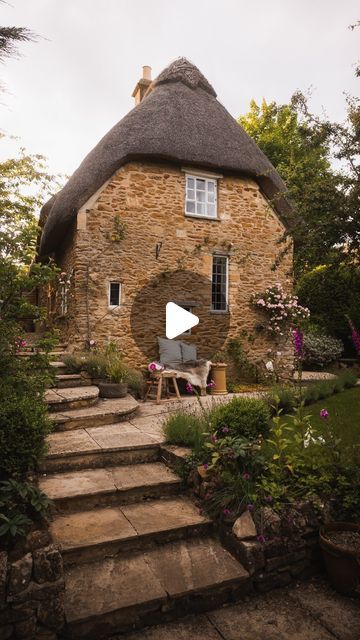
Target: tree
(325, 199)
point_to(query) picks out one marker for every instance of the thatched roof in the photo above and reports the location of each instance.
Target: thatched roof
(180, 120)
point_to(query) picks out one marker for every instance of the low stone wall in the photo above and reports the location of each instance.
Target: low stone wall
(32, 590)
(277, 562)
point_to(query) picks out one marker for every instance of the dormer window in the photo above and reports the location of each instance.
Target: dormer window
(201, 197)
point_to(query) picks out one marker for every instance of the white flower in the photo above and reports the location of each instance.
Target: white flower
(269, 365)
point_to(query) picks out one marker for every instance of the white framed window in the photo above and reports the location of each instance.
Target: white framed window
(201, 196)
(114, 294)
(220, 283)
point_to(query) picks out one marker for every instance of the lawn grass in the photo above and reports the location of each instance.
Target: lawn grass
(344, 415)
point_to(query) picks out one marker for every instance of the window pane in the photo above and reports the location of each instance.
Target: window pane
(190, 206)
(190, 183)
(200, 185)
(219, 283)
(211, 210)
(211, 187)
(200, 208)
(211, 197)
(114, 294)
(191, 194)
(200, 196)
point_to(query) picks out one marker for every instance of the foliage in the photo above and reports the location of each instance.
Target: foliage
(246, 417)
(282, 309)
(20, 504)
(321, 349)
(324, 223)
(186, 429)
(282, 396)
(244, 368)
(332, 295)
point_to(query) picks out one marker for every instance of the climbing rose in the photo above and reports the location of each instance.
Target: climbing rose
(324, 414)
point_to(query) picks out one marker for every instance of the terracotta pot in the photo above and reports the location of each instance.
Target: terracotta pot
(218, 375)
(112, 389)
(343, 566)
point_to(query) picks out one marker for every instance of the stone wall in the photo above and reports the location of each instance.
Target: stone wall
(32, 590)
(149, 199)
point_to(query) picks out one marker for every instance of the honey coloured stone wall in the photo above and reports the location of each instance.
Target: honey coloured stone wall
(134, 231)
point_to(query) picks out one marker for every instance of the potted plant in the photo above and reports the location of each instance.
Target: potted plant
(218, 374)
(340, 546)
(117, 378)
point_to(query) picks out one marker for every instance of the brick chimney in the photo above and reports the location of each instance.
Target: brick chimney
(143, 85)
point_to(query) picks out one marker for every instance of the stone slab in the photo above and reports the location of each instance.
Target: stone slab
(194, 565)
(190, 628)
(104, 412)
(163, 515)
(114, 583)
(73, 442)
(63, 396)
(91, 528)
(337, 613)
(77, 483)
(142, 475)
(119, 435)
(272, 616)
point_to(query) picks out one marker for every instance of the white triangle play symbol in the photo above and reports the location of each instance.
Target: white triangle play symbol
(178, 320)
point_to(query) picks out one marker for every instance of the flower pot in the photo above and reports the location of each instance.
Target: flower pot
(218, 375)
(343, 565)
(112, 389)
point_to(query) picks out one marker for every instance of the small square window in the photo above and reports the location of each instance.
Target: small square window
(201, 197)
(114, 294)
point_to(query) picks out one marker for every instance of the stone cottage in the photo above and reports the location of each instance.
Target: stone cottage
(175, 203)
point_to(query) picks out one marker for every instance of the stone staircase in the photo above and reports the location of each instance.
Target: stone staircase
(136, 549)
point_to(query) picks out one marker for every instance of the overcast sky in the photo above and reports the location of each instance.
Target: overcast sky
(68, 89)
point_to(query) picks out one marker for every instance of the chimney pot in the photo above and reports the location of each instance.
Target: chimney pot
(146, 73)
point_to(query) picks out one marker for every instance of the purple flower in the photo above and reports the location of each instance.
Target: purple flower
(298, 343)
(225, 429)
(226, 512)
(189, 388)
(324, 414)
(261, 539)
(211, 384)
(355, 337)
(214, 438)
(206, 466)
(246, 476)
(250, 507)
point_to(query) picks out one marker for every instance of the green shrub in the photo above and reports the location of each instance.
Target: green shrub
(348, 378)
(283, 397)
(246, 417)
(332, 293)
(23, 426)
(186, 429)
(21, 503)
(321, 349)
(74, 362)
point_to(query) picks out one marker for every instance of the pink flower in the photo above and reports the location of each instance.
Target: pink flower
(261, 539)
(206, 466)
(189, 388)
(249, 507)
(225, 429)
(226, 512)
(246, 476)
(211, 384)
(324, 414)
(152, 366)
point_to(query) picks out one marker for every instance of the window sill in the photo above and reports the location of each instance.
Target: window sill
(220, 312)
(198, 217)
(111, 307)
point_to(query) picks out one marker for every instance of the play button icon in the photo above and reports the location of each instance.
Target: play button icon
(178, 320)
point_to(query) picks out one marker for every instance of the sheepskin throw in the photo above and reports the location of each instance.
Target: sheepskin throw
(194, 371)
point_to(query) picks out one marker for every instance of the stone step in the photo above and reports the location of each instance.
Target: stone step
(117, 594)
(105, 412)
(75, 398)
(70, 380)
(87, 536)
(118, 443)
(53, 355)
(58, 365)
(90, 488)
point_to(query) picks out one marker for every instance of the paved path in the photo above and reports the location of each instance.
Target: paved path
(309, 611)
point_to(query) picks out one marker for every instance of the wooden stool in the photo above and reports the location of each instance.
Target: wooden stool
(156, 383)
